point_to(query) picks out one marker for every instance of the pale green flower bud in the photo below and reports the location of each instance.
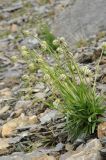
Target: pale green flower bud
(62, 77)
(54, 90)
(27, 97)
(59, 50)
(14, 58)
(56, 42)
(31, 67)
(46, 77)
(36, 35)
(25, 54)
(40, 59)
(56, 102)
(104, 45)
(27, 33)
(85, 70)
(32, 77)
(25, 77)
(23, 48)
(44, 45)
(73, 68)
(62, 39)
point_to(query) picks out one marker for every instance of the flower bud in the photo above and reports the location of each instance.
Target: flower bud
(25, 54)
(31, 67)
(62, 39)
(40, 59)
(104, 45)
(62, 77)
(59, 50)
(14, 58)
(27, 33)
(85, 70)
(46, 77)
(36, 35)
(56, 102)
(23, 48)
(44, 45)
(32, 78)
(73, 67)
(25, 77)
(56, 42)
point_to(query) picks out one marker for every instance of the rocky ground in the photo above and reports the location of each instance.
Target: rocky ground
(82, 19)
(27, 126)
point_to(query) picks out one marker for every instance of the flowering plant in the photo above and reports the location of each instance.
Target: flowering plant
(74, 96)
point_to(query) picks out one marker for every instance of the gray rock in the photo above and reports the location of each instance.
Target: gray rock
(30, 43)
(42, 9)
(5, 147)
(16, 20)
(103, 153)
(90, 151)
(11, 77)
(4, 114)
(14, 140)
(15, 156)
(81, 20)
(4, 62)
(103, 141)
(4, 109)
(22, 156)
(40, 86)
(59, 147)
(14, 7)
(13, 73)
(24, 128)
(40, 95)
(23, 104)
(4, 44)
(48, 116)
(102, 87)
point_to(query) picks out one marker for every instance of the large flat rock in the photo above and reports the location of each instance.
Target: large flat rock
(80, 20)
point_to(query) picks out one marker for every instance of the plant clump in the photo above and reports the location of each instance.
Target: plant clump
(77, 100)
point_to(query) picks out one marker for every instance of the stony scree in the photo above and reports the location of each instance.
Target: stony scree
(27, 125)
(81, 20)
